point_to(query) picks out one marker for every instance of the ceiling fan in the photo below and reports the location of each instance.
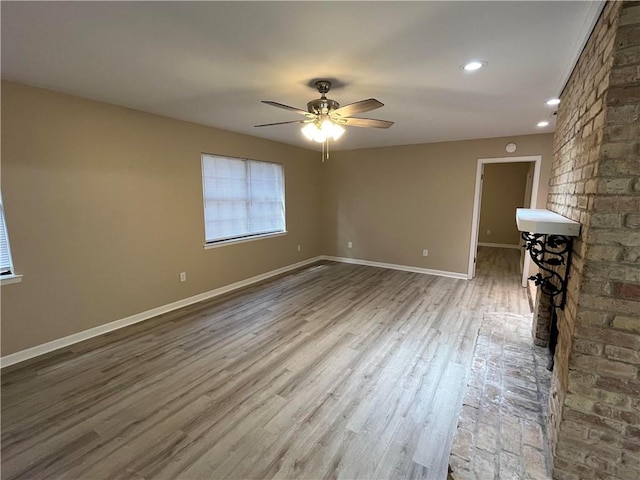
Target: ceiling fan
(324, 118)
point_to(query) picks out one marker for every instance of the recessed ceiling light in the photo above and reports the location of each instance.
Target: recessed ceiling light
(544, 123)
(553, 101)
(474, 65)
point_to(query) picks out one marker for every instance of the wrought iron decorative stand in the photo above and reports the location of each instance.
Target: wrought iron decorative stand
(548, 251)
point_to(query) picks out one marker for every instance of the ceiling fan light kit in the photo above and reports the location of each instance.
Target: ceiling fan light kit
(326, 130)
(325, 118)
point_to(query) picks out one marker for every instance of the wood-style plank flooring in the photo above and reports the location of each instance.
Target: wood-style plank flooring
(334, 371)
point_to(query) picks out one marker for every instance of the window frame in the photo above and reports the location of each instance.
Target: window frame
(208, 244)
(10, 276)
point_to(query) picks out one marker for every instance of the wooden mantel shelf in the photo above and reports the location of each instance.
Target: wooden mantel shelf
(542, 221)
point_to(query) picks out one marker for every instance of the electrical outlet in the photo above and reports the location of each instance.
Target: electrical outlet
(298, 247)
(425, 252)
(488, 232)
(183, 276)
(349, 244)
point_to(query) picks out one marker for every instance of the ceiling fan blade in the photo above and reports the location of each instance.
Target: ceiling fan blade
(286, 107)
(280, 123)
(357, 107)
(365, 122)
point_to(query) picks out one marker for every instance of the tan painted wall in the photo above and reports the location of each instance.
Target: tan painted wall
(394, 202)
(104, 209)
(502, 192)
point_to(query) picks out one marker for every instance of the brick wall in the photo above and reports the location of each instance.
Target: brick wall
(594, 421)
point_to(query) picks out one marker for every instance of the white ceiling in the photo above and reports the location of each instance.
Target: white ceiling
(212, 62)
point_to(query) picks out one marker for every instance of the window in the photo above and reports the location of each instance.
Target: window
(242, 198)
(6, 266)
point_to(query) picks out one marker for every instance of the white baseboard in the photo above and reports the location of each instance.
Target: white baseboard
(499, 245)
(393, 266)
(32, 352)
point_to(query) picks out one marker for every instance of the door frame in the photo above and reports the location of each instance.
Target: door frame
(475, 222)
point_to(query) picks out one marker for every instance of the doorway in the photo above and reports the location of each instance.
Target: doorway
(531, 191)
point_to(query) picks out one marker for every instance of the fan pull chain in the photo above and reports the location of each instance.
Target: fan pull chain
(325, 150)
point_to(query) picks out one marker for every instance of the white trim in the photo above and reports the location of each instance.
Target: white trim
(38, 350)
(475, 222)
(498, 245)
(579, 41)
(9, 279)
(233, 241)
(393, 266)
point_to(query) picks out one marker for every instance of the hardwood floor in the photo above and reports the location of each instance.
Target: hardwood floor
(334, 371)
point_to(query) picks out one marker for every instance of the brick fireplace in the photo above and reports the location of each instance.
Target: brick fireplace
(594, 419)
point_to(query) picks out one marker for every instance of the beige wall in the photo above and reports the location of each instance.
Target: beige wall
(503, 191)
(394, 202)
(104, 209)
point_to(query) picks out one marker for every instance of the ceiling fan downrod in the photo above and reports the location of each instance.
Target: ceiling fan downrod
(323, 86)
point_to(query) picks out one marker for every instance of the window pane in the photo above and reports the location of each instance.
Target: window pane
(266, 210)
(241, 197)
(5, 254)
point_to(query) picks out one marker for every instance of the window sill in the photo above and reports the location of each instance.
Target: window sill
(9, 279)
(224, 243)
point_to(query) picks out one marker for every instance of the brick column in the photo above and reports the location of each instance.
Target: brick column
(594, 422)
(541, 327)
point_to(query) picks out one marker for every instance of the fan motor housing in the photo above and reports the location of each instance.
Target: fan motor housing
(322, 105)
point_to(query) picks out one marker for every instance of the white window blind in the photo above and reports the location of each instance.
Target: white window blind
(6, 267)
(242, 198)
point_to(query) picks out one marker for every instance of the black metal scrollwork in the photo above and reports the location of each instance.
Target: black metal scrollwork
(548, 251)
